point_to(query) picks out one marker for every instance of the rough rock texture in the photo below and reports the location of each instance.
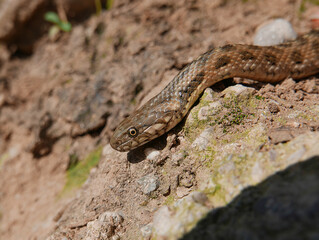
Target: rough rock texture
(62, 102)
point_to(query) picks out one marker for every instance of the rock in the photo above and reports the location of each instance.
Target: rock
(147, 231)
(152, 154)
(186, 179)
(274, 33)
(209, 110)
(274, 206)
(208, 94)
(279, 135)
(197, 197)
(182, 217)
(149, 184)
(202, 141)
(273, 107)
(104, 227)
(177, 158)
(238, 90)
(162, 221)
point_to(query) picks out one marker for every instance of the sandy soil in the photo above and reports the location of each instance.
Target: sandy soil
(68, 95)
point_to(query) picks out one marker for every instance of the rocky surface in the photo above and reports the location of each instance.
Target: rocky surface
(245, 151)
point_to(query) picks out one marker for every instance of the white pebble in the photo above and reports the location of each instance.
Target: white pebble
(151, 153)
(274, 33)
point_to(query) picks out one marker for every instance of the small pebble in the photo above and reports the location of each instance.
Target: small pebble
(186, 179)
(151, 153)
(274, 33)
(198, 197)
(238, 89)
(177, 158)
(149, 183)
(103, 227)
(273, 107)
(147, 231)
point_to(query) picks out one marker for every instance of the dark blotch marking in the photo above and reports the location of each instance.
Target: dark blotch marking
(227, 48)
(204, 57)
(253, 47)
(302, 40)
(225, 75)
(193, 84)
(287, 44)
(222, 61)
(276, 49)
(246, 55)
(297, 57)
(315, 46)
(270, 58)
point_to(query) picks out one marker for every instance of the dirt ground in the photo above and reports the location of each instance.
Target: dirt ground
(65, 97)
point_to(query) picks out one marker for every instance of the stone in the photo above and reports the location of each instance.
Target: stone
(104, 227)
(147, 231)
(148, 183)
(274, 33)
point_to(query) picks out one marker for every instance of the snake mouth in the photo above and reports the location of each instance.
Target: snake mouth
(119, 146)
(125, 146)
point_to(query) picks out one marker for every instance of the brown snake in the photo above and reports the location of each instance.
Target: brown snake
(297, 59)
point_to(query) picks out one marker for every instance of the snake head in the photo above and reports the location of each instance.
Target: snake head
(142, 126)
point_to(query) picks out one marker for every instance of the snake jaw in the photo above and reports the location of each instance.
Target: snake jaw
(148, 128)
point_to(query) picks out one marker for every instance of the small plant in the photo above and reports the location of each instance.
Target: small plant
(58, 26)
(233, 116)
(259, 97)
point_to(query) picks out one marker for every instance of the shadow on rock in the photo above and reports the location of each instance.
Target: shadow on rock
(284, 206)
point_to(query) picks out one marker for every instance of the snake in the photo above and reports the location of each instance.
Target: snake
(296, 59)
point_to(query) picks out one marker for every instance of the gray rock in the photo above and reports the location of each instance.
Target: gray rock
(182, 217)
(148, 183)
(203, 139)
(147, 231)
(206, 111)
(274, 33)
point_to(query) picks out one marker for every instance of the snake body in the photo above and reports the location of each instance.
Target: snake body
(297, 59)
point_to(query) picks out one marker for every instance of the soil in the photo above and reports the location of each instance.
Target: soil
(68, 94)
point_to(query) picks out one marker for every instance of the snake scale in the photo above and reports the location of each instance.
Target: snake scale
(297, 59)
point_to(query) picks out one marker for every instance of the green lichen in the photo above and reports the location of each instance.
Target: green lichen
(169, 200)
(78, 173)
(209, 157)
(281, 120)
(235, 113)
(307, 117)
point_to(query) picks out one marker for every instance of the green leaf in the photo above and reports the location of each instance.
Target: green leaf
(65, 26)
(52, 17)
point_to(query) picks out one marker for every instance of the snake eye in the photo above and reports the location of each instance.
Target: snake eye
(132, 132)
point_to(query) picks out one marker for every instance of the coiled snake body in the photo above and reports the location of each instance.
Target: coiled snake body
(296, 59)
